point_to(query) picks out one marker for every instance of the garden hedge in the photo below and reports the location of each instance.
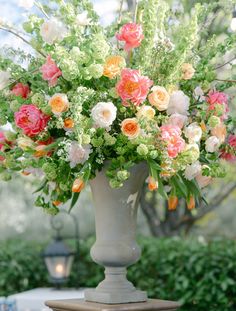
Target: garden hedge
(201, 276)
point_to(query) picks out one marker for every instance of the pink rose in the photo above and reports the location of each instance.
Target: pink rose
(2, 143)
(31, 120)
(21, 90)
(132, 34)
(215, 98)
(177, 120)
(229, 156)
(133, 87)
(50, 71)
(171, 135)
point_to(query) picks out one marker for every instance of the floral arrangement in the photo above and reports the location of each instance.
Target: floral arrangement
(138, 90)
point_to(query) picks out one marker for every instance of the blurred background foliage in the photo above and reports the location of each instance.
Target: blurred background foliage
(195, 264)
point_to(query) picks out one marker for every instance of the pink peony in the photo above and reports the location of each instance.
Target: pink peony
(50, 71)
(2, 143)
(171, 135)
(21, 90)
(227, 155)
(218, 98)
(132, 34)
(133, 87)
(31, 120)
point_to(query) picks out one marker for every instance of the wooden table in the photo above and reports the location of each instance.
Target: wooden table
(81, 305)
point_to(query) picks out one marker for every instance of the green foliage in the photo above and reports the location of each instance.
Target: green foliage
(201, 276)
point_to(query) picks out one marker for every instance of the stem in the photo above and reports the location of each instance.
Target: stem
(40, 7)
(220, 66)
(135, 10)
(222, 80)
(22, 38)
(120, 12)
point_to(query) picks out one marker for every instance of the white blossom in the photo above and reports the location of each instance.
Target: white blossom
(104, 114)
(193, 170)
(78, 154)
(212, 144)
(179, 103)
(193, 132)
(53, 30)
(82, 19)
(199, 94)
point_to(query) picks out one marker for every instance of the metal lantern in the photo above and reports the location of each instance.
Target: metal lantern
(58, 258)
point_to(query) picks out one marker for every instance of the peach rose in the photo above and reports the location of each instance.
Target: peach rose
(78, 185)
(69, 123)
(159, 98)
(59, 103)
(220, 132)
(187, 71)
(130, 128)
(113, 66)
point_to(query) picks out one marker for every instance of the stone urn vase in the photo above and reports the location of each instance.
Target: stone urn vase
(115, 247)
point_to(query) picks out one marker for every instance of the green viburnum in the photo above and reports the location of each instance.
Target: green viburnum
(142, 150)
(50, 170)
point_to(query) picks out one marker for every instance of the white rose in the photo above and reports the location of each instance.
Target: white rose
(78, 154)
(199, 94)
(52, 30)
(26, 4)
(4, 79)
(104, 114)
(82, 19)
(146, 112)
(177, 120)
(179, 103)
(192, 170)
(193, 132)
(212, 144)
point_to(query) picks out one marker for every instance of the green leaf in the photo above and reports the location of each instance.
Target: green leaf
(74, 200)
(41, 186)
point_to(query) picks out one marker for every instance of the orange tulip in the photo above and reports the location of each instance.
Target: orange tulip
(56, 203)
(152, 184)
(78, 185)
(172, 202)
(191, 203)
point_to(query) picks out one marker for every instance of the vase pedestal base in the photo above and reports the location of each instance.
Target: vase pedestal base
(82, 305)
(117, 297)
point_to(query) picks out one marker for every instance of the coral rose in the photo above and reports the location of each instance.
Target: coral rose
(130, 128)
(230, 155)
(187, 71)
(78, 185)
(159, 98)
(21, 90)
(171, 135)
(50, 71)
(31, 120)
(133, 87)
(132, 35)
(215, 99)
(59, 103)
(113, 66)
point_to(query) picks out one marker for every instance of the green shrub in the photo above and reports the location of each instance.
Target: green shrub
(201, 276)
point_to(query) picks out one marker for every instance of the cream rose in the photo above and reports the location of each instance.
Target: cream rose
(146, 112)
(193, 132)
(78, 154)
(82, 19)
(104, 114)
(187, 71)
(159, 98)
(179, 103)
